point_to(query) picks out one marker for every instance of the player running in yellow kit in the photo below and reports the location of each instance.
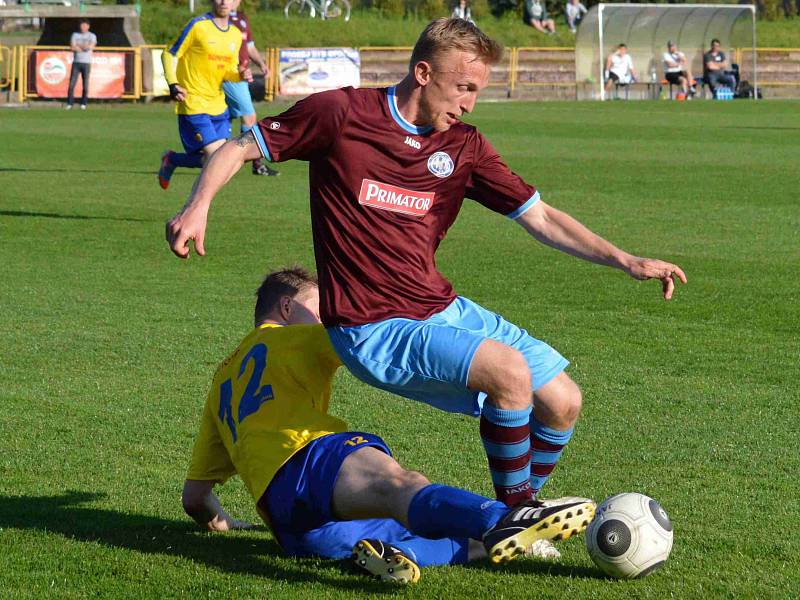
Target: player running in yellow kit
(205, 54)
(327, 491)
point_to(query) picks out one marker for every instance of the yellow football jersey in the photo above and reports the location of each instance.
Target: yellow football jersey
(207, 56)
(267, 401)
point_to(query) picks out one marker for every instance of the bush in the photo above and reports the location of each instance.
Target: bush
(432, 9)
(391, 8)
(479, 9)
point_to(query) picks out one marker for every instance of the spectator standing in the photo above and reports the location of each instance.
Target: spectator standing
(715, 68)
(462, 11)
(81, 43)
(619, 68)
(574, 12)
(536, 16)
(676, 68)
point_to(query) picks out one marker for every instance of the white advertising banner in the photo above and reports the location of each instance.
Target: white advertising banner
(159, 83)
(305, 71)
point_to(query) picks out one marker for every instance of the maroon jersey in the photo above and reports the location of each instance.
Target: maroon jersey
(383, 194)
(242, 24)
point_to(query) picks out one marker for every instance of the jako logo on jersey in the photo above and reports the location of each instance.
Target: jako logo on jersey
(440, 164)
(393, 198)
(274, 125)
(413, 143)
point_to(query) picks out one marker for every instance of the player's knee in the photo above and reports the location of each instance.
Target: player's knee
(512, 385)
(570, 402)
(401, 481)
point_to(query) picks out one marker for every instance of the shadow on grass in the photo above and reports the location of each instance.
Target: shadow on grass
(240, 553)
(97, 171)
(538, 567)
(45, 215)
(766, 127)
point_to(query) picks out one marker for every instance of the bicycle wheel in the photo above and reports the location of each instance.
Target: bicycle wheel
(337, 8)
(298, 8)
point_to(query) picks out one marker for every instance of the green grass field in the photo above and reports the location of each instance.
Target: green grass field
(109, 343)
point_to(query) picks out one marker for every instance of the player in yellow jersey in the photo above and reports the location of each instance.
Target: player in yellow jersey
(327, 491)
(205, 54)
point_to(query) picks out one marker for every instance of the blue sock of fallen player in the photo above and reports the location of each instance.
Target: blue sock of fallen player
(439, 511)
(191, 161)
(431, 553)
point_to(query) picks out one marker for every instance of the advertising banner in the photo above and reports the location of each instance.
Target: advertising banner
(305, 71)
(159, 84)
(106, 80)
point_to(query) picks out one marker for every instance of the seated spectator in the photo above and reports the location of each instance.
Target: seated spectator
(535, 15)
(676, 69)
(574, 12)
(716, 69)
(462, 11)
(619, 68)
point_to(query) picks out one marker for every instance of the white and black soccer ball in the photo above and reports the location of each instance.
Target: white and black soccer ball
(630, 536)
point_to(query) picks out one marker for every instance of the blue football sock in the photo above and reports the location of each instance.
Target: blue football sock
(546, 448)
(431, 553)
(190, 161)
(440, 511)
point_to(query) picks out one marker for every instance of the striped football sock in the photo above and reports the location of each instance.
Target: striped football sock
(506, 438)
(546, 447)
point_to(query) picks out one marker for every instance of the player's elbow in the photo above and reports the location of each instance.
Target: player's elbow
(194, 497)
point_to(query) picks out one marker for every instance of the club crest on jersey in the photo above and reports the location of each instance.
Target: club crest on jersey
(440, 164)
(413, 143)
(395, 199)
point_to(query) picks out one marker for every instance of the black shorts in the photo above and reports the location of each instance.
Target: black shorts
(613, 76)
(675, 77)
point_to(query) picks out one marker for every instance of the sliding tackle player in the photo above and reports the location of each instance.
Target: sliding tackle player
(325, 490)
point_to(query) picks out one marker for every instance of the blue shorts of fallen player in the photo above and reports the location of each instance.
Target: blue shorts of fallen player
(198, 131)
(298, 505)
(237, 96)
(429, 360)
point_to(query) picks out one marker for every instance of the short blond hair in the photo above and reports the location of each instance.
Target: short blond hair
(443, 35)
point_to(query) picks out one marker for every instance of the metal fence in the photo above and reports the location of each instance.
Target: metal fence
(524, 72)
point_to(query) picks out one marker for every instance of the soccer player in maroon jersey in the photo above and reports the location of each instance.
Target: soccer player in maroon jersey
(388, 170)
(237, 93)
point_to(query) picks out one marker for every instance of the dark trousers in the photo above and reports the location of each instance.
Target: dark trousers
(83, 69)
(718, 78)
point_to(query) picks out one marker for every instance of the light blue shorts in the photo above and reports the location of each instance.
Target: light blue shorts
(429, 360)
(237, 95)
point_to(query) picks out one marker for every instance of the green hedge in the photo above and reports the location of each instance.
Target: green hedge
(383, 25)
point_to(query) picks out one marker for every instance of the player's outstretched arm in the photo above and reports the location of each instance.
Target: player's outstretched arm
(202, 504)
(559, 230)
(190, 222)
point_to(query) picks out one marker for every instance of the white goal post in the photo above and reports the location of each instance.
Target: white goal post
(646, 28)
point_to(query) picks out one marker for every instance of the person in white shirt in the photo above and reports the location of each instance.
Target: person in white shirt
(574, 12)
(619, 68)
(462, 11)
(677, 70)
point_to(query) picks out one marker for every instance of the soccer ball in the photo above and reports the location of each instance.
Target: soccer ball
(630, 536)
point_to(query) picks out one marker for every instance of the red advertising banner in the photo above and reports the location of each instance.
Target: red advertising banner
(106, 79)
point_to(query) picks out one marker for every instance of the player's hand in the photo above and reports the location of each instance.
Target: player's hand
(222, 522)
(651, 268)
(246, 74)
(189, 224)
(176, 92)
